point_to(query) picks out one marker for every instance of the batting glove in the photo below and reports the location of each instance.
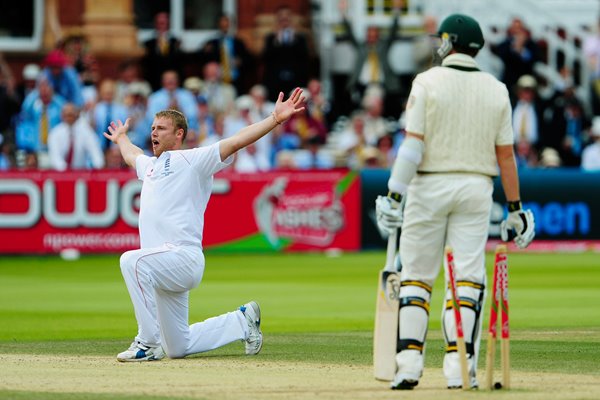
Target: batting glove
(390, 214)
(518, 226)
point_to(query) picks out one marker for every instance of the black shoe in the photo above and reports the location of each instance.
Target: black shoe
(405, 385)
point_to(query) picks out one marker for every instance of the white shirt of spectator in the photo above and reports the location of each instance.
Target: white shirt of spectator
(525, 110)
(177, 184)
(87, 153)
(590, 158)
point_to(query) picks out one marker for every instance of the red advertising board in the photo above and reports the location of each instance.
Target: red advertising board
(96, 211)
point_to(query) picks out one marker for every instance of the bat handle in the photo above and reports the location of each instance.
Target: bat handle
(391, 252)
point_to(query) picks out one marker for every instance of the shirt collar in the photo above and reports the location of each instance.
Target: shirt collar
(460, 60)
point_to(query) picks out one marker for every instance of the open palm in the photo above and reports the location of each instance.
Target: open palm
(285, 109)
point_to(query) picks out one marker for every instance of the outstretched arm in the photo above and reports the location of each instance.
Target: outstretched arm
(118, 135)
(250, 134)
(508, 172)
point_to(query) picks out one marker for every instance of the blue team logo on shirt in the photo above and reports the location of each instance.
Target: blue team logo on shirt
(167, 170)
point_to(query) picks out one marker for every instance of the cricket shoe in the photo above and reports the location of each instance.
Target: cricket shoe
(255, 338)
(140, 352)
(404, 384)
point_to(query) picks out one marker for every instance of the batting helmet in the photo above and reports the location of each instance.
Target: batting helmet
(462, 31)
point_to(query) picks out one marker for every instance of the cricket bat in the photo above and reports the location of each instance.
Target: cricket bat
(385, 336)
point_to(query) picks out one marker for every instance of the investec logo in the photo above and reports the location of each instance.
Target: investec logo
(42, 202)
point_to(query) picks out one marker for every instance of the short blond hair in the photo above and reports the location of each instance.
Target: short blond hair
(177, 118)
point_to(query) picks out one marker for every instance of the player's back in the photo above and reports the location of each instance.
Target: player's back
(467, 114)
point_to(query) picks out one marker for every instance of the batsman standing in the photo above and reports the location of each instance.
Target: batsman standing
(175, 191)
(459, 134)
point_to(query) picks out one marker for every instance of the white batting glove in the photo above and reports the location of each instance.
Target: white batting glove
(390, 214)
(518, 226)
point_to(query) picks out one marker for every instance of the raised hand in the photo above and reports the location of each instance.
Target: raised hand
(116, 130)
(285, 109)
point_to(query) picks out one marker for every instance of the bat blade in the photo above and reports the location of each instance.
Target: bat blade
(385, 336)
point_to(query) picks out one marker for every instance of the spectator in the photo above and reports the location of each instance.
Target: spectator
(261, 106)
(40, 113)
(302, 128)
(194, 85)
(425, 45)
(113, 159)
(550, 158)
(6, 155)
(591, 51)
(285, 57)
(206, 120)
(316, 102)
(525, 155)
(352, 140)
(31, 161)
(106, 111)
(171, 96)
(140, 123)
(219, 95)
(73, 144)
(63, 77)
(258, 156)
(76, 49)
(564, 116)
(9, 99)
(518, 52)
(590, 158)
(230, 52)
(218, 132)
(527, 111)
(128, 74)
(314, 156)
(385, 145)
(370, 157)
(90, 78)
(372, 67)
(30, 74)
(162, 52)
(248, 160)
(375, 123)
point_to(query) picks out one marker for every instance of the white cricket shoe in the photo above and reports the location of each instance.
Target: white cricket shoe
(140, 352)
(255, 339)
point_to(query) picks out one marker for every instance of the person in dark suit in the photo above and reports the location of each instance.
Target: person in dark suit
(518, 52)
(231, 53)
(162, 52)
(372, 67)
(285, 57)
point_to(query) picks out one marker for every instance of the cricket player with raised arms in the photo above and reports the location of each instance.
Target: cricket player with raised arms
(459, 136)
(176, 188)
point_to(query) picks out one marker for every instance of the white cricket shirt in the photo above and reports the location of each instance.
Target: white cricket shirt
(175, 192)
(463, 114)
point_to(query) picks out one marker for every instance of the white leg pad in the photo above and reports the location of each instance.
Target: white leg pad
(414, 318)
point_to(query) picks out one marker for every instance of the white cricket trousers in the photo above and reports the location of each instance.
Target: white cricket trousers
(159, 280)
(444, 209)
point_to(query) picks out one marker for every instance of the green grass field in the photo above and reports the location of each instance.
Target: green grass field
(316, 309)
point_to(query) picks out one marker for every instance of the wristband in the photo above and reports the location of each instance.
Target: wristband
(275, 118)
(514, 205)
(395, 196)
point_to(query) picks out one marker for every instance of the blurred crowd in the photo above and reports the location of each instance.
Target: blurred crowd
(56, 116)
